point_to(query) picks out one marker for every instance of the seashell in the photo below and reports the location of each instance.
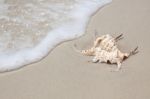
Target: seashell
(105, 50)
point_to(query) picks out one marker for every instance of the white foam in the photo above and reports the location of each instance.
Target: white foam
(80, 14)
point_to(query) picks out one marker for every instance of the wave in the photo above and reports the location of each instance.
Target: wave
(30, 29)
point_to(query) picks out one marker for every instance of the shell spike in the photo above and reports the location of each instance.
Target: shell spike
(119, 37)
(135, 51)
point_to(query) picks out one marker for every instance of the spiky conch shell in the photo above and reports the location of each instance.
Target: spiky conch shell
(105, 50)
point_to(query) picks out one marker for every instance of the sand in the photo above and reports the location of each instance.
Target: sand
(65, 74)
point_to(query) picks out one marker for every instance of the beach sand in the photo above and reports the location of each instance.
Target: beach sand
(66, 74)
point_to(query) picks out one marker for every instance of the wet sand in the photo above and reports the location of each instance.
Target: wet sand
(65, 74)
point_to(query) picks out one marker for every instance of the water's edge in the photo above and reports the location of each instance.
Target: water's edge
(68, 31)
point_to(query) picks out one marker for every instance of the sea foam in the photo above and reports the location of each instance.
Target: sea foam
(30, 29)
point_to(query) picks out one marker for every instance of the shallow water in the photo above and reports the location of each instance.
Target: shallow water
(24, 23)
(29, 29)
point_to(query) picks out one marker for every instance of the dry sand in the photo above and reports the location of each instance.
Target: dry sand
(65, 74)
